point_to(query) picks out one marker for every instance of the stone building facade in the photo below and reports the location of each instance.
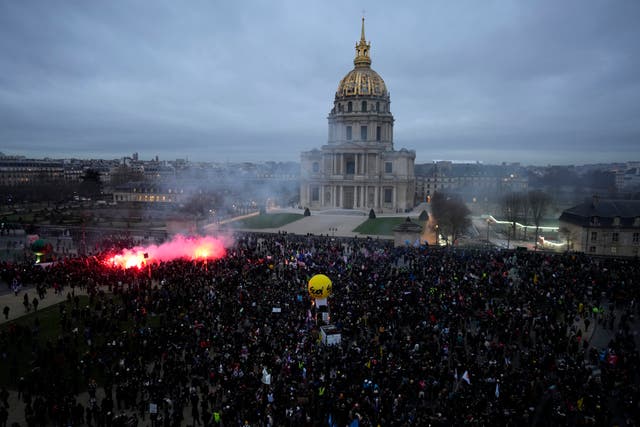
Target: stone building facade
(603, 227)
(358, 168)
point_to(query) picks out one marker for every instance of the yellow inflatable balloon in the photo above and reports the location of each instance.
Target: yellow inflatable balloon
(320, 286)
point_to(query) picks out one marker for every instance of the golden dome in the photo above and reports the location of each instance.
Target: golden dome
(362, 80)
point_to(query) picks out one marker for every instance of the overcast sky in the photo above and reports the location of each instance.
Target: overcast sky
(537, 82)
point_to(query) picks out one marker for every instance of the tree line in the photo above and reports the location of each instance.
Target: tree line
(525, 208)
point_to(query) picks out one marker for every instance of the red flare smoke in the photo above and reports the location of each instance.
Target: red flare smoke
(180, 247)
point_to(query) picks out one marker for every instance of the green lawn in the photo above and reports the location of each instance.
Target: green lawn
(11, 254)
(19, 350)
(18, 343)
(267, 221)
(48, 318)
(383, 226)
(15, 217)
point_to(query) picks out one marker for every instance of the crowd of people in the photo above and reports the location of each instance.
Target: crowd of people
(428, 336)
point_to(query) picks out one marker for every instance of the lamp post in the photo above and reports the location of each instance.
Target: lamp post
(509, 228)
(488, 227)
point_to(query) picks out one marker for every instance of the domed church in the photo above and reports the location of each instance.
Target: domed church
(358, 168)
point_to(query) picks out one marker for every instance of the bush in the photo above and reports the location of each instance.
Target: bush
(424, 216)
(372, 214)
(307, 212)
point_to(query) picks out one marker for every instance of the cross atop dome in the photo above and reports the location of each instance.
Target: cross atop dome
(362, 58)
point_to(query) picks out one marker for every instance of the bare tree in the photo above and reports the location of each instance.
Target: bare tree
(91, 184)
(525, 209)
(451, 214)
(511, 207)
(539, 202)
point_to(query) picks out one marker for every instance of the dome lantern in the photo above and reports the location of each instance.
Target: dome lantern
(362, 58)
(362, 80)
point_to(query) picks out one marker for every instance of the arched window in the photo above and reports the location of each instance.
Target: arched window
(316, 167)
(364, 106)
(377, 106)
(350, 107)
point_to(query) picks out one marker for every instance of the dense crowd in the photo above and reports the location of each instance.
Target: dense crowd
(428, 337)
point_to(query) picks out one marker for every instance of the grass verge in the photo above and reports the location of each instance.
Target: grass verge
(266, 221)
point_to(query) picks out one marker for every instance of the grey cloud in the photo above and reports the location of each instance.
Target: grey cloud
(257, 79)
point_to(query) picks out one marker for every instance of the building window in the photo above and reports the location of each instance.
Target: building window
(594, 236)
(316, 167)
(592, 249)
(351, 167)
(636, 221)
(635, 238)
(364, 106)
(378, 133)
(350, 107)
(363, 133)
(377, 106)
(388, 167)
(348, 133)
(616, 221)
(315, 194)
(615, 237)
(594, 220)
(388, 195)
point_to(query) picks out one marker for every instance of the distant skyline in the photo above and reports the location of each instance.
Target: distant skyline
(542, 82)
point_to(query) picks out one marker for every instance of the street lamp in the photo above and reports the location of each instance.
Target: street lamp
(509, 228)
(488, 227)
